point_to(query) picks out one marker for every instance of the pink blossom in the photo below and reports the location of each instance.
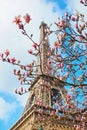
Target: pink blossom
(21, 89)
(69, 97)
(60, 65)
(60, 37)
(72, 89)
(81, 38)
(13, 60)
(17, 20)
(27, 18)
(21, 26)
(25, 90)
(28, 74)
(30, 51)
(49, 68)
(60, 23)
(56, 44)
(73, 18)
(60, 77)
(35, 46)
(50, 62)
(21, 81)
(7, 52)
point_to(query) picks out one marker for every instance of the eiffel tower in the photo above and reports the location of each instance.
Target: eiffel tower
(46, 90)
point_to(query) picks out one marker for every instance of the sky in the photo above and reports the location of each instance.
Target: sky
(12, 105)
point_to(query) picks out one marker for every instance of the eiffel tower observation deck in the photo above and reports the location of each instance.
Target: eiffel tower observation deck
(46, 93)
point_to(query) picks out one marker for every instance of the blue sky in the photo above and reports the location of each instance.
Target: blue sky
(12, 105)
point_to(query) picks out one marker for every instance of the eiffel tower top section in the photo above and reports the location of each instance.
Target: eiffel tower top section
(44, 49)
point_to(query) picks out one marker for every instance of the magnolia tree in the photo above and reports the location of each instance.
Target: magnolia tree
(67, 62)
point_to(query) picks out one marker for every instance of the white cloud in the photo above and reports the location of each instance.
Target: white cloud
(6, 109)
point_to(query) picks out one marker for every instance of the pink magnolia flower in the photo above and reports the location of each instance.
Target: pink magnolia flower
(13, 60)
(49, 68)
(27, 18)
(60, 77)
(17, 20)
(60, 65)
(21, 81)
(25, 90)
(73, 19)
(60, 23)
(21, 26)
(30, 51)
(46, 30)
(83, 26)
(55, 44)
(21, 89)
(49, 62)
(35, 46)
(7, 52)
(69, 97)
(81, 38)
(60, 37)
(32, 63)
(72, 89)
(28, 74)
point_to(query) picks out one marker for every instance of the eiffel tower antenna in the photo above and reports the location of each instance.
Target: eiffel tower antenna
(44, 49)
